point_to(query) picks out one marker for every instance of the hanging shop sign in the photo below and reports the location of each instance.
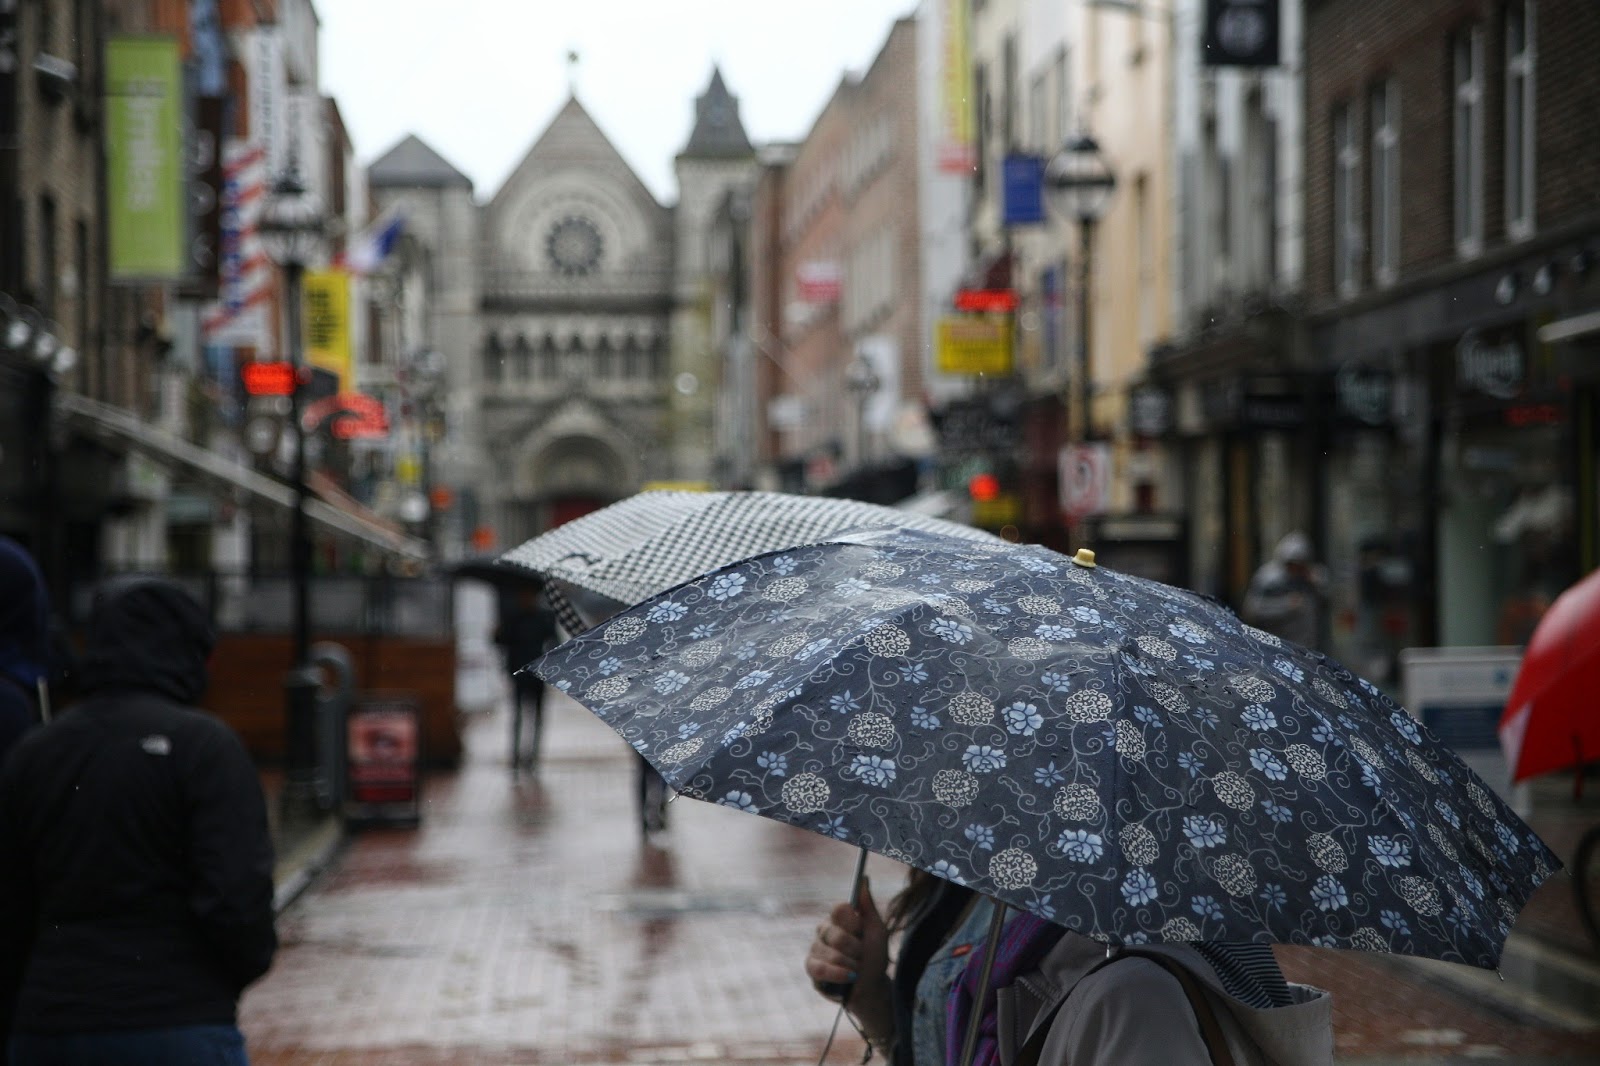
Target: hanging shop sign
(1494, 366)
(973, 345)
(819, 281)
(986, 301)
(327, 307)
(1022, 181)
(1363, 393)
(1150, 411)
(1241, 33)
(1084, 471)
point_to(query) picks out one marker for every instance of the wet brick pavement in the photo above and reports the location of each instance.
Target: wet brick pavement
(526, 924)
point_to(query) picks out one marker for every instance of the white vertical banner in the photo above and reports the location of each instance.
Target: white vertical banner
(269, 88)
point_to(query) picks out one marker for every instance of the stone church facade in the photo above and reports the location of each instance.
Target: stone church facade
(573, 319)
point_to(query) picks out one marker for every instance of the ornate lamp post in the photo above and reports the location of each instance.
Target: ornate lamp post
(861, 381)
(291, 229)
(1080, 185)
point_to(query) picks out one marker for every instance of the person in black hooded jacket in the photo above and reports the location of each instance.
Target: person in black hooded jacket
(136, 903)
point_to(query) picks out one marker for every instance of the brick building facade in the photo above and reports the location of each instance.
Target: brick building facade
(1452, 228)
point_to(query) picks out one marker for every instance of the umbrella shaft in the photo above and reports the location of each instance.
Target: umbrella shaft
(969, 1046)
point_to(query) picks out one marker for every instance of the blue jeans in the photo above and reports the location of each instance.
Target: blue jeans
(182, 1045)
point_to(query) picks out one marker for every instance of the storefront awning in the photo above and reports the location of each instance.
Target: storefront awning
(1570, 329)
(117, 426)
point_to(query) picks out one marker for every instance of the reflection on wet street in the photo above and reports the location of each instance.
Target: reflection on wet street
(527, 922)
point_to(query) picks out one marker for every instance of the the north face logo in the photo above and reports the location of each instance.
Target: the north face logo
(156, 744)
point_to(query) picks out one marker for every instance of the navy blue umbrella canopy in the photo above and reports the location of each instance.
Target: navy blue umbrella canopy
(1119, 756)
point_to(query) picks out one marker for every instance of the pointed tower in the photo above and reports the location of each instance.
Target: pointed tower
(717, 160)
(441, 225)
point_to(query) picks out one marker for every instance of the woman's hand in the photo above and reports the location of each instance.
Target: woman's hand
(852, 947)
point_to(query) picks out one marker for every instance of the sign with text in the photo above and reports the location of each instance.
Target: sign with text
(383, 753)
(1084, 471)
(1459, 694)
(973, 345)
(327, 316)
(145, 170)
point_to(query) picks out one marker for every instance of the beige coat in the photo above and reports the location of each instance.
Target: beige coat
(1108, 1016)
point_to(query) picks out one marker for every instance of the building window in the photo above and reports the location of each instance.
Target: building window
(1385, 112)
(1063, 99)
(980, 97)
(1519, 119)
(494, 361)
(1346, 201)
(1468, 120)
(1145, 249)
(49, 264)
(1039, 113)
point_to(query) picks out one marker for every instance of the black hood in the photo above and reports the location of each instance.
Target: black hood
(147, 635)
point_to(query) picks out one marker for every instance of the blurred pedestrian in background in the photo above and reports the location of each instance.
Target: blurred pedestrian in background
(1071, 1000)
(1286, 593)
(527, 628)
(24, 642)
(136, 904)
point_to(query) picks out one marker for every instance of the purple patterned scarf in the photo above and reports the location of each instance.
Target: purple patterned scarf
(1024, 942)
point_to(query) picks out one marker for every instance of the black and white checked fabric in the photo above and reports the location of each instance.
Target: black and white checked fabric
(649, 542)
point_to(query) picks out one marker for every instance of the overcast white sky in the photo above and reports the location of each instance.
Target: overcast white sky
(480, 79)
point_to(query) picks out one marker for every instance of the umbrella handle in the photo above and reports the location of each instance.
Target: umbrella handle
(842, 988)
(969, 1046)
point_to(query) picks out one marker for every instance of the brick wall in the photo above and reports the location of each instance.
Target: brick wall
(1352, 44)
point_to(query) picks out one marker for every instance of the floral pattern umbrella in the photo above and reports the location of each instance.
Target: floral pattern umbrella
(1119, 756)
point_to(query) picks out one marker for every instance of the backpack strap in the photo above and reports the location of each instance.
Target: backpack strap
(1210, 1029)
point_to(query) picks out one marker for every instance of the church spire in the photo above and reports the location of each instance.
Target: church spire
(718, 133)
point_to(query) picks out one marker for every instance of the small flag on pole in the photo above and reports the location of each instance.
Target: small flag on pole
(372, 247)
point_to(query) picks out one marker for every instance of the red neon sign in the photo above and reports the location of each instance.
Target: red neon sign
(268, 379)
(986, 300)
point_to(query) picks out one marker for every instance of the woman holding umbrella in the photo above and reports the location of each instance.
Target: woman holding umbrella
(1104, 754)
(1167, 1005)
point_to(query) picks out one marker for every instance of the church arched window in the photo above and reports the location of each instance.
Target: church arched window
(522, 360)
(604, 357)
(549, 364)
(494, 361)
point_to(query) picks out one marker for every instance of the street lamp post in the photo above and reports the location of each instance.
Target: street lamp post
(1080, 184)
(861, 381)
(291, 230)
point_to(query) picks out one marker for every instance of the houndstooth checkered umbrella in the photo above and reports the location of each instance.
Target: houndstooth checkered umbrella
(647, 543)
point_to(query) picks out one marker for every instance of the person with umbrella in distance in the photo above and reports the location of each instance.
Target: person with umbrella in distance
(527, 627)
(136, 899)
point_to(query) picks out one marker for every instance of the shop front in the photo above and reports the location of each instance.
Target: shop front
(1459, 489)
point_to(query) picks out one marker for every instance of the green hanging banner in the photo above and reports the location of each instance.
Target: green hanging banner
(144, 157)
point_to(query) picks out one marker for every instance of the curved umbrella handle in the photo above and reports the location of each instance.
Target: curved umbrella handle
(842, 988)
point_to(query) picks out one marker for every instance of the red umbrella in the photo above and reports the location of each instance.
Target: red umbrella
(1552, 719)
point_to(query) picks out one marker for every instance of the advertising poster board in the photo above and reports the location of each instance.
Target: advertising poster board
(1459, 694)
(383, 754)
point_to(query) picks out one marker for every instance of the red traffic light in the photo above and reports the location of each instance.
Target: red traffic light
(983, 487)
